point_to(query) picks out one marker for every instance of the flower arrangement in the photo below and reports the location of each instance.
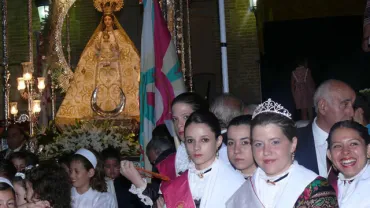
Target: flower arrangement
(89, 134)
(365, 91)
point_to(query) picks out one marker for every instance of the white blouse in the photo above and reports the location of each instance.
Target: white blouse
(198, 180)
(267, 192)
(92, 199)
(353, 192)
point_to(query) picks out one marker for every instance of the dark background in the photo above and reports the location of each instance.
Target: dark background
(332, 46)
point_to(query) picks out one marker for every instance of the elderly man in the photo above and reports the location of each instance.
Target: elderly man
(333, 101)
(226, 107)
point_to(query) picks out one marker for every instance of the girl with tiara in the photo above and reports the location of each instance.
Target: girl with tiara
(239, 149)
(279, 180)
(89, 188)
(208, 182)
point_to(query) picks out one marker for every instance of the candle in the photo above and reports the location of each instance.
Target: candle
(21, 83)
(27, 76)
(41, 83)
(13, 108)
(27, 70)
(36, 107)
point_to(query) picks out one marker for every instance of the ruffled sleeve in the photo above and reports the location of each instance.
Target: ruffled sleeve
(140, 193)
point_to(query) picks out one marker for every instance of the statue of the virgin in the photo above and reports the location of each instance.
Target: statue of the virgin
(109, 68)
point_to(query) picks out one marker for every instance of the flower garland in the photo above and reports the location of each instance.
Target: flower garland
(93, 135)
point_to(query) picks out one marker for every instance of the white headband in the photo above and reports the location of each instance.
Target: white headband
(88, 155)
(5, 180)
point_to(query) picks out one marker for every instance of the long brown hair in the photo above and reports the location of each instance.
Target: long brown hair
(103, 24)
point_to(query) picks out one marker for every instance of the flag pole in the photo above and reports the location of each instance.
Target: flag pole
(225, 73)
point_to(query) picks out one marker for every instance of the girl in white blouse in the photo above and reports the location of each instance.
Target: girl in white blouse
(239, 149)
(208, 182)
(89, 187)
(349, 150)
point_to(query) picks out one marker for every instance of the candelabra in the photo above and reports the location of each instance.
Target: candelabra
(27, 91)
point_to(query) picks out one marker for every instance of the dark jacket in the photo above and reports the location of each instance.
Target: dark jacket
(306, 153)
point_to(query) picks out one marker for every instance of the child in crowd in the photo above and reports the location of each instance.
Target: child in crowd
(19, 185)
(49, 186)
(89, 186)
(19, 160)
(7, 198)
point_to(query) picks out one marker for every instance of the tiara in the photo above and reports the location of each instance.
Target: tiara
(108, 6)
(271, 106)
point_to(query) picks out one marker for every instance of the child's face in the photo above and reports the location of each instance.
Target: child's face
(20, 194)
(7, 199)
(111, 168)
(19, 164)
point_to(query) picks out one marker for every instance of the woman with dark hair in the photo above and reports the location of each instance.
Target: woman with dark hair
(89, 186)
(173, 164)
(49, 184)
(349, 151)
(208, 182)
(239, 149)
(279, 181)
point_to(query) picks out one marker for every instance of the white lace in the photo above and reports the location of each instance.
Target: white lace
(139, 192)
(196, 183)
(182, 160)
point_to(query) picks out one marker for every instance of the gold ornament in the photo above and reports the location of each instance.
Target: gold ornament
(108, 6)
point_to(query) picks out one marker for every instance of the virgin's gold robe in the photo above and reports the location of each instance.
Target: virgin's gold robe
(110, 61)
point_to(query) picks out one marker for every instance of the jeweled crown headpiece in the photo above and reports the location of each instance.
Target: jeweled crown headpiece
(108, 6)
(270, 106)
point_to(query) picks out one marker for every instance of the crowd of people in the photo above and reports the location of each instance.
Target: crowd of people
(230, 155)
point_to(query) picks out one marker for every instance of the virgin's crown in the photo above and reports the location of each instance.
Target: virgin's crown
(270, 106)
(108, 6)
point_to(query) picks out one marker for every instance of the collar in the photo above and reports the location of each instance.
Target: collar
(19, 148)
(349, 180)
(320, 136)
(200, 173)
(76, 194)
(274, 179)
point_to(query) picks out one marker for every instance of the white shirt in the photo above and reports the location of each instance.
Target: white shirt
(321, 146)
(9, 151)
(268, 193)
(92, 199)
(198, 183)
(111, 189)
(353, 192)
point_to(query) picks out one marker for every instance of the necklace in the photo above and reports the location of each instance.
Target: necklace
(201, 174)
